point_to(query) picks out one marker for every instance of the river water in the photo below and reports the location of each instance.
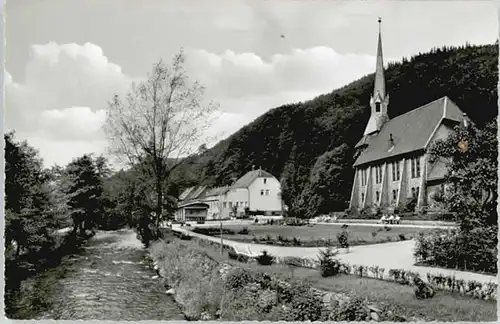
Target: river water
(110, 280)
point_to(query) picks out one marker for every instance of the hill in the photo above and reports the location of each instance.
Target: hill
(309, 145)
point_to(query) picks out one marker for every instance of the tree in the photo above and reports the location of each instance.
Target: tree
(158, 123)
(470, 154)
(30, 218)
(330, 175)
(84, 188)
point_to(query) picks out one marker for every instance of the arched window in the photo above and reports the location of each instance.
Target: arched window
(377, 107)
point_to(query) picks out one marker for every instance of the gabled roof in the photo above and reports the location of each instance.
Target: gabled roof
(216, 191)
(185, 193)
(411, 131)
(194, 193)
(246, 180)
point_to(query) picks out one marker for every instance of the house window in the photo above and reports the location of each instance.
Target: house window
(224, 204)
(230, 204)
(377, 106)
(415, 167)
(262, 192)
(378, 195)
(265, 180)
(267, 192)
(241, 203)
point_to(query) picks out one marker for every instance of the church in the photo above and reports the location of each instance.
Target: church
(392, 165)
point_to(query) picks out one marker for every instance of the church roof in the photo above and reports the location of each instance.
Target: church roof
(411, 131)
(246, 180)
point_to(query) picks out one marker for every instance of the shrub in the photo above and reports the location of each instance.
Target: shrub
(265, 259)
(244, 231)
(464, 250)
(342, 239)
(296, 242)
(329, 265)
(402, 237)
(238, 278)
(256, 221)
(374, 233)
(353, 310)
(422, 289)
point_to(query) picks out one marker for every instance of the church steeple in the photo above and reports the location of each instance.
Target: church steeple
(379, 99)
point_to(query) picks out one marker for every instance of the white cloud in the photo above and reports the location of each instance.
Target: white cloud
(62, 102)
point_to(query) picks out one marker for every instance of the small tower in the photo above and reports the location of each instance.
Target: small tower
(379, 99)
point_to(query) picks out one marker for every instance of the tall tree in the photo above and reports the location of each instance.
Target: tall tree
(158, 123)
(84, 188)
(29, 218)
(471, 154)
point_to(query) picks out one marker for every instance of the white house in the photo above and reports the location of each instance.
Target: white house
(257, 192)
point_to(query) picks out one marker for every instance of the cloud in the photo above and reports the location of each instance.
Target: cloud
(239, 75)
(61, 103)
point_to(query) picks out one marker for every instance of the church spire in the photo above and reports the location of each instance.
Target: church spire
(379, 100)
(379, 87)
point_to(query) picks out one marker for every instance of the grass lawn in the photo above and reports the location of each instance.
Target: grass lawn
(443, 307)
(311, 235)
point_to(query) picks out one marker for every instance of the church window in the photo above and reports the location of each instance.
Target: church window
(417, 191)
(377, 106)
(378, 174)
(394, 194)
(363, 177)
(262, 192)
(396, 175)
(224, 205)
(378, 195)
(413, 192)
(265, 180)
(362, 197)
(415, 167)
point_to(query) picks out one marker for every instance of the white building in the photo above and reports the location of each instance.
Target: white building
(256, 193)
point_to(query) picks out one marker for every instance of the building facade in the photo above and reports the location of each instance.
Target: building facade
(392, 165)
(256, 192)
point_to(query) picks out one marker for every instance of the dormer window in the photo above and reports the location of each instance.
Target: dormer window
(377, 107)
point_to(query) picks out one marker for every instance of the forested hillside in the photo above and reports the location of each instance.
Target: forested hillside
(309, 146)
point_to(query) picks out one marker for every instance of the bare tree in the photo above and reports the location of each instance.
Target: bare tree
(158, 123)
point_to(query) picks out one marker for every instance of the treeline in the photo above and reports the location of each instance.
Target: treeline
(50, 212)
(309, 145)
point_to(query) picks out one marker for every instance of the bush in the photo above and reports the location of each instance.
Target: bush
(329, 265)
(238, 278)
(402, 237)
(474, 250)
(353, 310)
(244, 231)
(343, 239)
(265, 259)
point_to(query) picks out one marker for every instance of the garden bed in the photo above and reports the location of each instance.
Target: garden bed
(312, 235)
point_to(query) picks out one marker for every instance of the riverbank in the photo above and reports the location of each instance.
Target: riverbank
(108, 279)
(191, 276)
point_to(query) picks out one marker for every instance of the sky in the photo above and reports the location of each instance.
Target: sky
(66, 58)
